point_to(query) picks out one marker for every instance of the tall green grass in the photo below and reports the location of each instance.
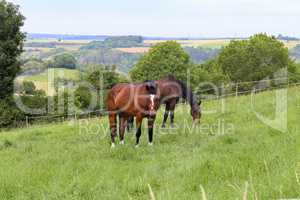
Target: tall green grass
(74, 160)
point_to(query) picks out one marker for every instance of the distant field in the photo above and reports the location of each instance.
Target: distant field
(41, 80)
(65, 73)
(55, 40)
(195, 43)
(74, 45)
(291, 44)
(134, 49)
(212, 43)
(74, 160)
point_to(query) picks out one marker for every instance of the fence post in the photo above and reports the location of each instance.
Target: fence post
(236, 89)
(27, 123)
(75, 116)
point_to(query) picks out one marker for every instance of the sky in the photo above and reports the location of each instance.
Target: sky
(169, 18)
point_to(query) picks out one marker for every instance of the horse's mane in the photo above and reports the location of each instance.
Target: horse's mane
(187, 93)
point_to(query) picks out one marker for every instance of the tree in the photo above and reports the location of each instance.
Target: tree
(64, 60)
(11, 46)
(83, 97)
(163, 59)
(28, 88)
(102, 78)
(254, 59)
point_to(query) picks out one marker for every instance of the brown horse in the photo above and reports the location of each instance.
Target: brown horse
(132, 100)
(170, 90)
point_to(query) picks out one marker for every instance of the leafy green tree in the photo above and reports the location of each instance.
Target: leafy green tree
(33, 65)
(102, 78)
(10, 115)
(64, 60)
(294, 72)
(11, 46)
(83, 97)
(167, 58)
(64, 103)
(202, 76)
(254, 59)
(28, 88)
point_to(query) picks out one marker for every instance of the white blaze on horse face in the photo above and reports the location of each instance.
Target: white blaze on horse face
(152, 96)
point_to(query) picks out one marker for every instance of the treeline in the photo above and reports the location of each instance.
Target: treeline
(115, 42)
(260, 57)
(72, 97)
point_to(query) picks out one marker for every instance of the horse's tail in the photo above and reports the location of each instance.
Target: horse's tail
(187, 93)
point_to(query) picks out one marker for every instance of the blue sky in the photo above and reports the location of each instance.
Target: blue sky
(183, 18)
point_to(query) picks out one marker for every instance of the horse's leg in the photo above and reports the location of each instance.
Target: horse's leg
(130, 122)
(139, 120)
(166, 115)
(113, 127)
(151, 121)
(172, 110)
(122, 126)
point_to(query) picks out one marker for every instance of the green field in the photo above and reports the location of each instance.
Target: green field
(64, 73)
(74, 161)
(43, 81)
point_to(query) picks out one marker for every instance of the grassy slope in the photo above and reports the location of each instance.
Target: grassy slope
(69, 162)
(43, 77)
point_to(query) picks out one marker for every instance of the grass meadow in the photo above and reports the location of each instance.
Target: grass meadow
(232, 155)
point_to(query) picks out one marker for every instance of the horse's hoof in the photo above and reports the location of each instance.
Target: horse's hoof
(113, 145)
(137, 146)
(122, 142)
(150, 143)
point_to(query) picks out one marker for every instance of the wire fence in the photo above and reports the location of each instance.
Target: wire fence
(209, 94)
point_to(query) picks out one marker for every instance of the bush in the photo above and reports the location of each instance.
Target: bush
(10, 115)
(63, 61)
(64, 103)
(28, 88)
(83, 97)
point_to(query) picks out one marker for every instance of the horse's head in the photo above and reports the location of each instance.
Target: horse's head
(196, 111)
(151, 88)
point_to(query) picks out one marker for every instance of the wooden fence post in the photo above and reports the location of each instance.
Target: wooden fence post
(236, 89)
(27, 123)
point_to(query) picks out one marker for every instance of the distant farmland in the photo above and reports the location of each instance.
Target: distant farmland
(73, 45)
(41, 80)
